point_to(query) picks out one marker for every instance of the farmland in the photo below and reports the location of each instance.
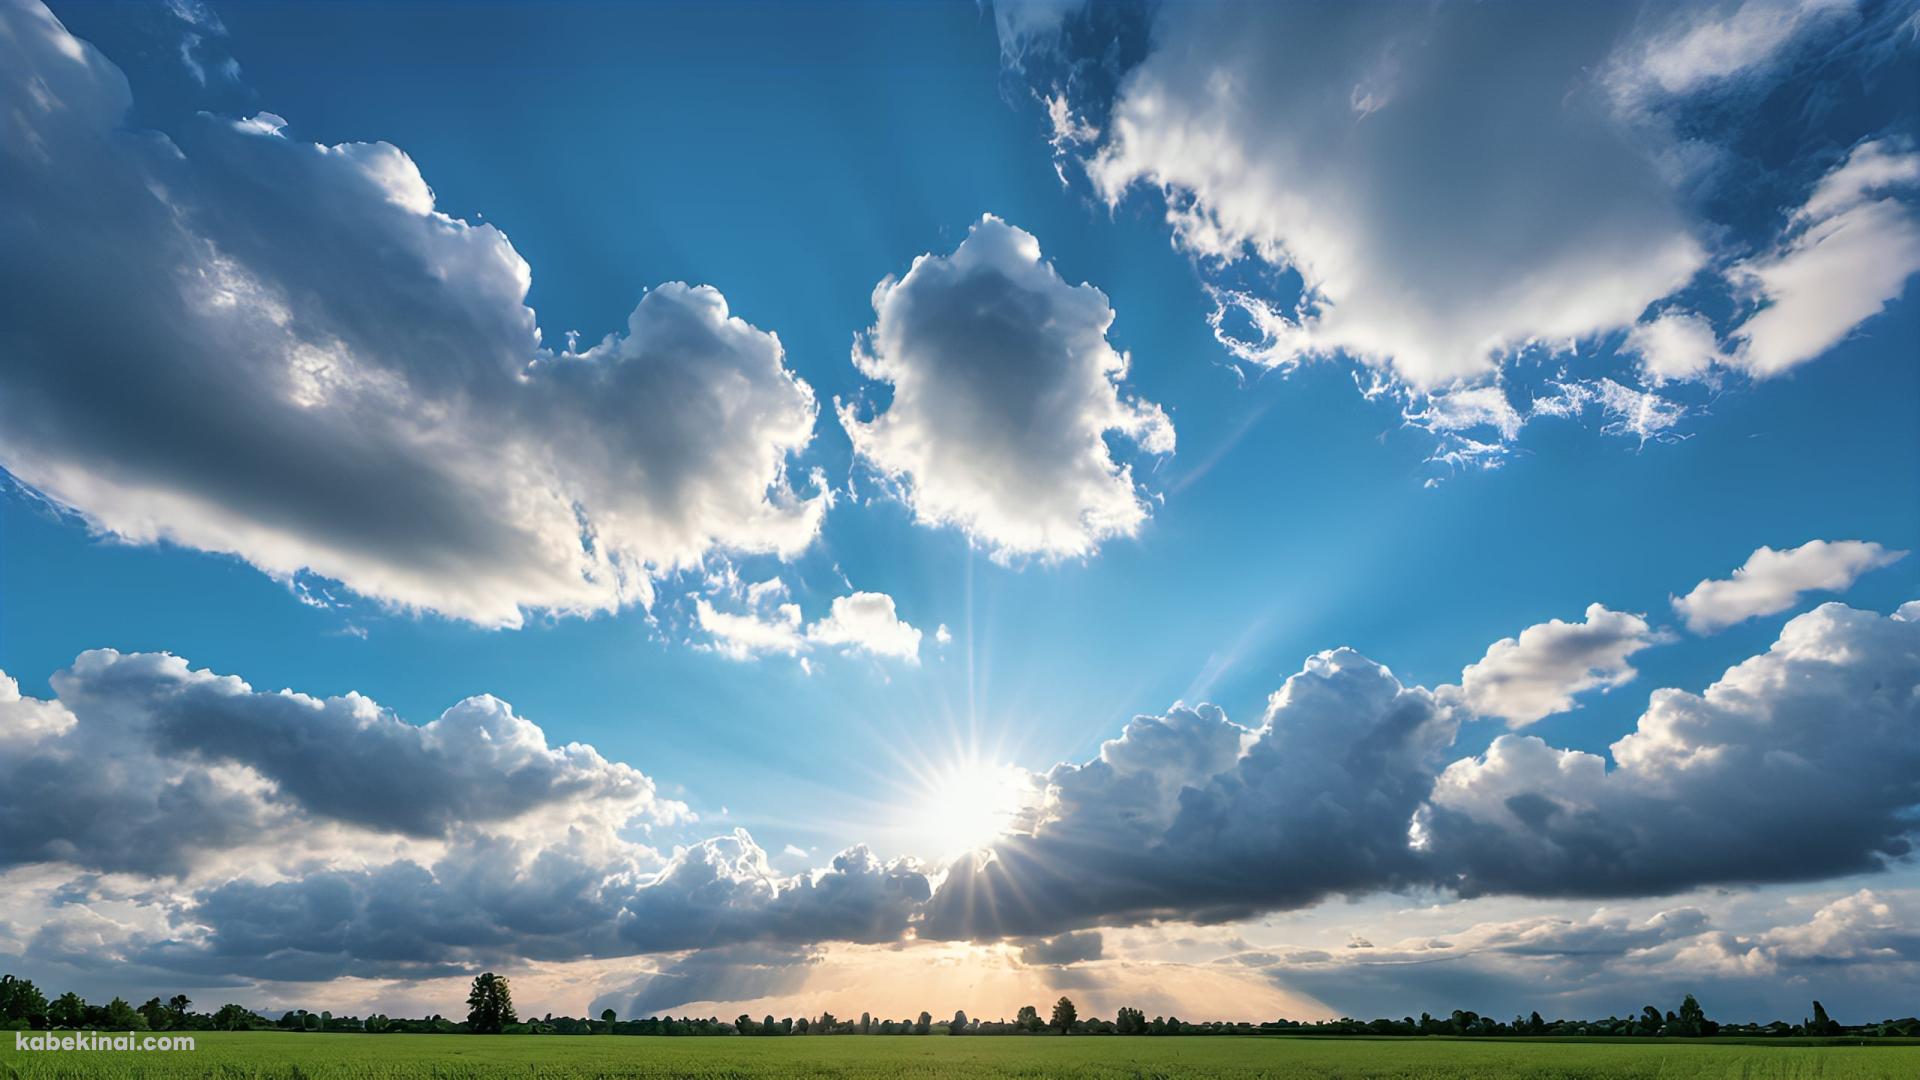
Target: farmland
(272, 1055)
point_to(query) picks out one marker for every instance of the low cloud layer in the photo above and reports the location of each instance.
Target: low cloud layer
(333, 838)
(240, 342)
(1004, 389)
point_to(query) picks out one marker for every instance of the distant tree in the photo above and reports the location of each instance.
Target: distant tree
(1691, 1021)
(743, 1024)
(800, 1026)
(959, 1024)
(68, 1010)
(1821, 1024)
(1027, 1019)
(155, 1014)
(1064, 1014)
(177, 1005)
(768, 1027)
(232, 1018)
(490, 1005)
(786, 1025)
(924, 1024)
(866, 1023)
(825, 1025)
(1650, 1021)
(1130, 1022)
(310, 1021)
(607, 1017)
(21, 1002)
(121, 1016)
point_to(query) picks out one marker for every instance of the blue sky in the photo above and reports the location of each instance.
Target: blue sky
(794, 156)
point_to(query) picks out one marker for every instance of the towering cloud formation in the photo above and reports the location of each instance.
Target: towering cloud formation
(248, 344)
(1004, 389)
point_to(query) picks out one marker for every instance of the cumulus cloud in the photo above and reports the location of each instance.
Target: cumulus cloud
(1539, 673)
(298, 838)
(1773, 581)
(866, 621)
(1848, 253)
(858, 622)
(1189, 816)
(1004, 389)
(1442, 209)
(1674, 345)
(1750, 781)
(243, 343)
(146, 744)
(330, 838)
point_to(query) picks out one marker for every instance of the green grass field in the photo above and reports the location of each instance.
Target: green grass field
(402, 1057)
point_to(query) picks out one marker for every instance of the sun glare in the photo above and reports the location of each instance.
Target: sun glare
(968, 805)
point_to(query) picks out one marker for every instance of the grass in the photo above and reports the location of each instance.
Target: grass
(283, 1056)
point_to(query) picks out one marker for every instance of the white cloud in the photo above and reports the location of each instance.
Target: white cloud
(1849, 253)
(744, 635)
(334, 377)
(1773, 581)
(1705, 44)
(1004, 390)
(1674, 345)
(1753, 773)
(1472, 207)
(1539, 673)
(867, 622)
(860, 621)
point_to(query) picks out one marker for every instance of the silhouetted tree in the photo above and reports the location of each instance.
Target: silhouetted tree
(866, 1023)
(1130, 1022)
(923, 1024)
(490, 1005)
(1822, 1024)
(959, 1024)
(1064, 1014)
(743, 1024)
(1028, 1018)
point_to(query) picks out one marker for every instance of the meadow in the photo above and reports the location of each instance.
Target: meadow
(273, 1055)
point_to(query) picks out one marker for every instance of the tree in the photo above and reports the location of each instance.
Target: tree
(490, 1005)
(232, 1018)
(866, 1023)
(1822, 1024)
(924, 1024)
(121, 1016)
(1027, 1019)
(155, 1014)
(1130, 1022)
(959, 1024)
(68, 1010)
(825, 1025)
(21, 1002)
(768, 1027)
(310, 1021)
(607, 1017)
(1064, 1014)
(177, 1005)
(743, 1024)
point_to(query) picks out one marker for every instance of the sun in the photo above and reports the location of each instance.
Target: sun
(968, 805)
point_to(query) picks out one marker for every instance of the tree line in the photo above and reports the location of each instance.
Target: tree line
(490, 1010)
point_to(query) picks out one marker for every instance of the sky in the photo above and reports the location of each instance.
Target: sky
(1238, 510)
